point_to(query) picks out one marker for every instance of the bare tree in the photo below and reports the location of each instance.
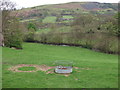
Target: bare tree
(7, 5)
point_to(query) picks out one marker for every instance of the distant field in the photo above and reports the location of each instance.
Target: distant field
(27, 20)
(43, 30)
(67, 21)
(96, 70)
(67, 16)
(49, 19)
(61, 29)
(64, 29)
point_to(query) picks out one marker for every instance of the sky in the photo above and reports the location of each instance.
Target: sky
(32, 3)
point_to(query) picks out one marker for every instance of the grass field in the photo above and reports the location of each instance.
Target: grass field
(27, 20)
(67, 16)
(49, 19)
(102, 72)
(64, 29)
(43, 30)
(61, 29)
(0, 67)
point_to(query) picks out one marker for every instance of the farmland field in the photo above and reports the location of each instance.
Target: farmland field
(27, 20)
(50, 19)
(67, 16)
(96, 70)
(43, 30)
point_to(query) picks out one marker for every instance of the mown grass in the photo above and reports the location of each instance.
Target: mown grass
(102, 72)
(49, 19)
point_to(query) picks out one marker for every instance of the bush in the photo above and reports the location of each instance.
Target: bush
(29, 37)
(12, 34)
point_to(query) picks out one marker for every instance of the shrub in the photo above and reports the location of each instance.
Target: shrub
(29, 37)
(12, 34)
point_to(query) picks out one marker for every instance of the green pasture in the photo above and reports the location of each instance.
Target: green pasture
(96, 70)
(49, 19)
(67, 16)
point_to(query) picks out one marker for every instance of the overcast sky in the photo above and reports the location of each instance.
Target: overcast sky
(32, 3)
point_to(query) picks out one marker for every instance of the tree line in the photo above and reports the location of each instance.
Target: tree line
(98, 32)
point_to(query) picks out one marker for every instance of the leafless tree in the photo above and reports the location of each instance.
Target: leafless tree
(7, 5)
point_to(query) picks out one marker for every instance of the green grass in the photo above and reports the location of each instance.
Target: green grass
(27, 20)
(67, 16)
(103, 71)
(49, 19)
(0, 68)
(64, 29)
(61, 29)
(27, 68)
(67, 21)
(43, 30)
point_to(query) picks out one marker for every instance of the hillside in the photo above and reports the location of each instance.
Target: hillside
(71, 8)
(75, 23)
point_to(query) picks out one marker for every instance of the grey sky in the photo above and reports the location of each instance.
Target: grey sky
(31, 3)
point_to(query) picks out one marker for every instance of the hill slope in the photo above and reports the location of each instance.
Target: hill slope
(68, 9)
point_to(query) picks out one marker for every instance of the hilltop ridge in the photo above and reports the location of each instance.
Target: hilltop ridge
(68, 9)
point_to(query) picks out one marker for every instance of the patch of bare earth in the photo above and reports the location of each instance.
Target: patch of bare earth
(16, 68)
(66, 74)
(38, 67)
(49, 72)
(47, 69)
